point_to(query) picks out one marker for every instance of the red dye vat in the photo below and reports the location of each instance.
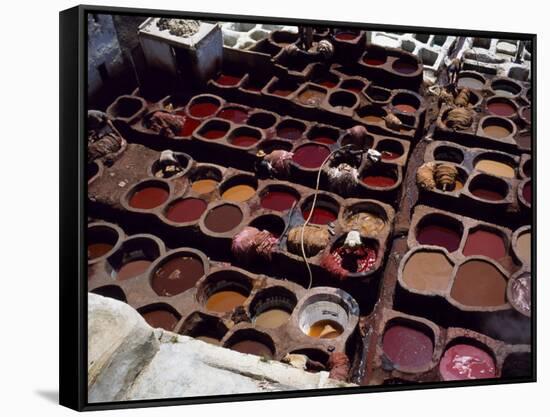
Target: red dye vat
(407, 347)
(389, 155)
(244, 141)
(486, 194)
(235, 115)
(483, 242)
(148, 198)
(356, 261)
(346, 36)
(189, 126)
(310, 156)
(187, 210)
(320, 215)
(501, 108)
(375, 61)
(214, 133)
(437, 235)
(462, 362)
(228, 80)
(203, 109)
(278, 200)
(353, 86)
(380, 181)
(291, 133)
(405, 108)
(527, 192)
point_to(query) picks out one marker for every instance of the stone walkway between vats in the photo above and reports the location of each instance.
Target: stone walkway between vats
(129, 360)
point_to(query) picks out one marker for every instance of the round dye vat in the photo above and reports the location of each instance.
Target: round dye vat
(471, 83)
(326, 82)
(427, 271)
(228, 80)
(223, 218)
(234, 115)
(368, 224)
(186, 210)
(271, 319)
(359, 261)
(325, 329)
(214, 133)
(148, 198)
(526, 193)
(355, 86)
(311, 156)
(404, 67)
(163, 319)
(389, 155)
(311, 97)
(252, 347)
(98, 249)
(379, 181)
(487, 194)
(239, 193)
(204, 186)
(189, 126)
(203, 109)
(291, 133)
(132, 269)
(278, 200)
(497, 168)
(496, 131)
(224, 301)
(346, 36)
(523, 247)
(321, 215)
(280, 91)
(374, 60)
(479, 284)
(405, 108)
(463, 361)
(177, 275)
(501, 108)
(407, 347)
(483, 242)
(244, 141)
(372, 119)
(438, 235)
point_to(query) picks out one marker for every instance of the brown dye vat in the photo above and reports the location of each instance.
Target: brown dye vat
(439, 235)
(462, 362)
(161, 318)
(497, 168)
(223, 218)
(253, 347)
(372, 119)
(427, 271)
(523, 247)
(471, 83)
(186, 210)
(177, 275)
(224, 301)
(501, 108)
(273, 318)
(325, 329)
(486, 194)
(148, 198)
(407, 347)
(311, 97)
(132, 269)
(233, 114)
(204, 186)
(96, 250)
(239, 193)
(479, 284)
(483, 242)
(405, 108)
(368, 224)
(488, 188)
(496, 131)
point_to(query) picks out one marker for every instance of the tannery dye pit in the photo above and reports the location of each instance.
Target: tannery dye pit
(321, 199)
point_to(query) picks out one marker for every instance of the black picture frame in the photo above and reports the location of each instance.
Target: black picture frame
(73, 190)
